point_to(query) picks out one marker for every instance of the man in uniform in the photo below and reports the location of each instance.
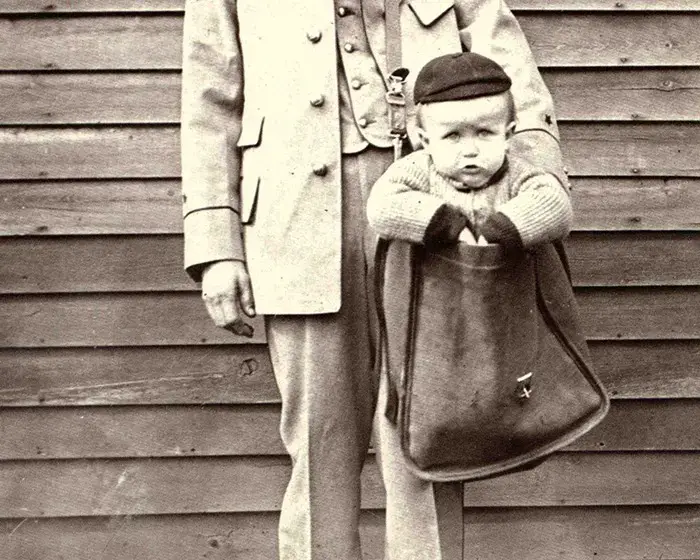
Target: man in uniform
(285, 128)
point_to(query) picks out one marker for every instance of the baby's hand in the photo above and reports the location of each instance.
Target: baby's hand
(466, 236)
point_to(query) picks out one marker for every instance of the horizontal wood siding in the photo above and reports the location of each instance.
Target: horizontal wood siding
(154, 263)
(154, 486)
(563, 532)
(593, 149)
(186, 431)
(667, 94)
(69, 6)
(48, 207)
(153, 40)
(132, 428)
(177, 318)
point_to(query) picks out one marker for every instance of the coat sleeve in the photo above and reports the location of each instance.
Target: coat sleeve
(488, 27)
(212, 98)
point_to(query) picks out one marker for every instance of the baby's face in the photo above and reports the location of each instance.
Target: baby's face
(467, 139)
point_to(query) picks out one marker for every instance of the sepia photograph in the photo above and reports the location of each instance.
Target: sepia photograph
(350, 280)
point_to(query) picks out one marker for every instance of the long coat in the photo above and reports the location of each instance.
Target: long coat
(260, 128)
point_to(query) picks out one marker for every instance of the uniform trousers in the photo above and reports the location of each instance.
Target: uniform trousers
(323, 367)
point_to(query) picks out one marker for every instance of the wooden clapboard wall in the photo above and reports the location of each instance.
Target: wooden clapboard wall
(132, 428)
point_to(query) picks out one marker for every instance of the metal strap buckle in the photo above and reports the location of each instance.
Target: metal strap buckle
(396, 99)
(524, 389)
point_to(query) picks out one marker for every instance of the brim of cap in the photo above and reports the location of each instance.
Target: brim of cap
(465, 91)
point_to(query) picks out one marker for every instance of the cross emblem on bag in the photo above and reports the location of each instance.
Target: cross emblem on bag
(524, 389)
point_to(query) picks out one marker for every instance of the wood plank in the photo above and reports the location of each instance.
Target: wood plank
(177, 318)
(40, 98)
(197, 431)
(129, 376)
(74, 153)
(211, 485)
(153, 206)
(640, 313)
(147, 486)
(619, 533)
(91, 42)
(143, 431)
(648, 94)
(604, 533)
(635, 204)
(174, 537)
(634, 259)
(618, 149)
(661, 369)
(153, 41)
(617, 40)
(648, 425)
(154, 263)
(68, 6)
(595, 479)
(78, 98)
(91, 207)
(93, 264)
(632, 149)
(607, 5)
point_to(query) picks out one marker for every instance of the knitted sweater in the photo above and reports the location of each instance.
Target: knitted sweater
(407, 197)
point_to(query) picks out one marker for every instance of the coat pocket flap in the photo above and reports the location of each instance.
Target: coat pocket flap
(251, 130)
(429, 11)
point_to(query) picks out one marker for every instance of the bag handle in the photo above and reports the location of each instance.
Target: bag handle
(564, 258)
(382, 363)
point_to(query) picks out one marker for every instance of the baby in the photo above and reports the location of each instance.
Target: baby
(463, 185)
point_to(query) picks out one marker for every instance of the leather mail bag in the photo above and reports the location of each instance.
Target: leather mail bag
(489, 372)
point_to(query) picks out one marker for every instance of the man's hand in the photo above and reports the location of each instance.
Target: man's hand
(226, 290)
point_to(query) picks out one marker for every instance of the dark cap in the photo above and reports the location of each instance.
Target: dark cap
(465, 75)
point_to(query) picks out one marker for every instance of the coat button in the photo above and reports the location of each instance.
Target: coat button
(317, 101)
(355, 84)
(314, 36)
(362, 122)
(320, 170)
(348, 47)
(342, 11)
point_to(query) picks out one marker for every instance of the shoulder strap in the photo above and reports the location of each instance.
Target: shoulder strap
(397, 117)
(393, 34)
(395, 95)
